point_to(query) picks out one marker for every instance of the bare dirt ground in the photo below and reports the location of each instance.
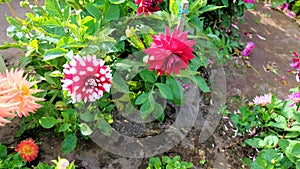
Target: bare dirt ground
(221, 150)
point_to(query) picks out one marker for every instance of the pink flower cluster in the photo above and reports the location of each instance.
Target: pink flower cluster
(262, 100)
(16, 96)
(170, 52)
(147, 6)
(295, 97)
(86, 78)
(248, 49)
(249, 1)
(296, 64)
(285, 8)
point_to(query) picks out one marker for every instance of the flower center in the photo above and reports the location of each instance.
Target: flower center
(27, 150)
(25, 90)
(91, 82)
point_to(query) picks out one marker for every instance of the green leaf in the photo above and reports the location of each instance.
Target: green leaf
(87, 117)
(165, 91)
(69, 143)
(201, 83)
(3, 151)
(64, 127)
(113, 12)
(196, 5)
(158, 112)
(48, 122)
(225, 3)
(53, 8)
(95, 12)
(119, 83)
(296, 150)
(116, 1)
(176, 90)
(209, 8)
(148, 76)
(54, 53)
(13, 21)
(52, 80)
(146, 109)
(104, 127)
(142, 98)
(173, 7)
(85, 129)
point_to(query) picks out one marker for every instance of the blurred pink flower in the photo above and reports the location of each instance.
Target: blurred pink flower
(295, 97)
(170, 53)
(16, 90)
(249, 1)
(295, 63)
(147, 6)
(248, 49)
(86, 78)
(262, 100)
(295, 54)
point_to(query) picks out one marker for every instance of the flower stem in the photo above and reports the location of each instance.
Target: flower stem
(40, 8)
(13, 12)
(2, 65)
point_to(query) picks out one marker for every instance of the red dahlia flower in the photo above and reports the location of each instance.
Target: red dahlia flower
(147, 6)
(28, 150)
(86, 78)
(170, 53)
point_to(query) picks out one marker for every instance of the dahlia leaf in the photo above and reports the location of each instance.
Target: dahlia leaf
(85, 129)
(146, 109)
(3, 151)
(104, 127)
(158, 112)
(112, 13)
(87, 117)
(141, 98)
(119, 83)
(116, 1)
(165, 91)
(176, 90)
(48, 122)
(201, 83)
(69, 143)
(53, 8)
(148, 76)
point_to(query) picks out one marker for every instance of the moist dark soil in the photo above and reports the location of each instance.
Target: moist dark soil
(224, 148)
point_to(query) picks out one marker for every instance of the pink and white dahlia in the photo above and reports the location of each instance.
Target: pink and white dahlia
(86, 78)
(295, 97)
(262, 100)
(16, 91)
(170, 53)
(248, 49)
(147, 6)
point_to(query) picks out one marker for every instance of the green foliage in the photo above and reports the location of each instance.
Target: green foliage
(274, 131)
(168, 163)
(12, 160)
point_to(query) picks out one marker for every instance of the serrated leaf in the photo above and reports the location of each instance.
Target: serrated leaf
(119, 83)
(69, 143)
(85, 129)
(176, 90)
(47, 122)
(165, 91)
(146, 109)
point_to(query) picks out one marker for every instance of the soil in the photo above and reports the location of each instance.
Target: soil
(223, 149)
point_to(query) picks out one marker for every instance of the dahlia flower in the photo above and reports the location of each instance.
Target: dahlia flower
(5, 111)
(295, 97)
(147, 6)
(262, 100)
(248, 49)
(86, 78)
(249, 1)
(28, 150)
(62, 163)
(295, 63)
(170, 53)
(16, 90)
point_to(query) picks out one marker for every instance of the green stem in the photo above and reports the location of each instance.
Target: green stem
(2, 65)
